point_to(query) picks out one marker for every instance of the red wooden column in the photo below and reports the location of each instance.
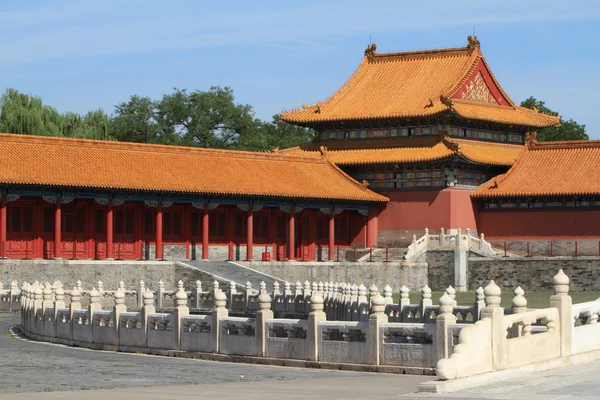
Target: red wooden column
(331, 256)
(109, 231)
(292, 235)
(372, 228)
(57, 221)
(159, 232)
(205, 232)
(3, 227)
(249, 229)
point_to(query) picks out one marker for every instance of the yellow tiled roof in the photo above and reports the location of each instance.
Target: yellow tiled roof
(488, 152)
(414, 84)
(569, 168)
(405, 150)
(76, 163)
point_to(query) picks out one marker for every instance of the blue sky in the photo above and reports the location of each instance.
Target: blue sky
(82, 55)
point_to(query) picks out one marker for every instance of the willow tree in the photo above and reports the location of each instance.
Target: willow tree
(23, 113)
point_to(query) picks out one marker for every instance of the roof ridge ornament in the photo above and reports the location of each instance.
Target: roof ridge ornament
(474, 43)
(371, 51)
(530, 138)
(447, 101)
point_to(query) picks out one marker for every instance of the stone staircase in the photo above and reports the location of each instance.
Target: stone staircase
(225, 271)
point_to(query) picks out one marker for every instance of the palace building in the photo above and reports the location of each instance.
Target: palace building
(552, 191)
(423, 128)
(414, 140)
(85, 199)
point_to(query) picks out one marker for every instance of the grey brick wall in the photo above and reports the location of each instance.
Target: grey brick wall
(534, 273)
(440, 272)
(89, 272)
(380, 273)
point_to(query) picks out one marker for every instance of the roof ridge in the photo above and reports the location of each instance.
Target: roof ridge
(485, 143)
(145, 147)
(564, 144)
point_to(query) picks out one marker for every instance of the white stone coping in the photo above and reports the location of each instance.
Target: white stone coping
(454, 385)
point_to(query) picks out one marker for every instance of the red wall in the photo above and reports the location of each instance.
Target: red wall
(528, 223)
(428, 208)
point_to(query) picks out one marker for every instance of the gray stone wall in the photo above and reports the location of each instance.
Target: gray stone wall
(545, 248)
(534, 273)
(413, 275)
(90, 272)
(440, 272)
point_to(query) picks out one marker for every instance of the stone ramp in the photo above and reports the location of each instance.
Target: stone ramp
(230, 271)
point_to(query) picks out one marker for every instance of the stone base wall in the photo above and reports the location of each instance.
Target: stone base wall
(440, 271)
(545, 248)
(413, 275)
(534, 273)
(90, 272)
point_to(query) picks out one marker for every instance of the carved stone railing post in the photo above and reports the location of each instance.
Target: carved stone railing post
(47, 302)
(14, 292)
(75, 305)
(196, 294)
(147, 309)
(37, 308)
(59, 302)
(425, 300)
(231, 294)
(220, 311)
(376, 318)
(387, 295)
(160, 293)
(93, 307)
(479, 304)
(564, 303)
(492, 310)
(442, 237)
(262, 316)
(404, 299)
(181, 310)
(314, 318)
(363, 303)
(118, 308)
(452, 293)
(443, 338)
(140, 292)
(519, 302)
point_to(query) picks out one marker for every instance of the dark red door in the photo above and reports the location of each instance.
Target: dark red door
(124, 236)
(19, 230)
(73, 232)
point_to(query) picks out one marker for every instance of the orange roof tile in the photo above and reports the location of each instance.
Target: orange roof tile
(405, 150)
(488, 152)
(419, 84)
(570, 168)
(75, 163)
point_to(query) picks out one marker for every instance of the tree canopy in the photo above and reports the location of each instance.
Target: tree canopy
(568, 130)
(210, 119)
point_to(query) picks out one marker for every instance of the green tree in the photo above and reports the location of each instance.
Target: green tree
(135, 121)
(568, 130)
(276, 134)
(206, 118)
(23, 113)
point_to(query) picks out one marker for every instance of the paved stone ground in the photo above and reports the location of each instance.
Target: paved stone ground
(28, 366)
(59, 372)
